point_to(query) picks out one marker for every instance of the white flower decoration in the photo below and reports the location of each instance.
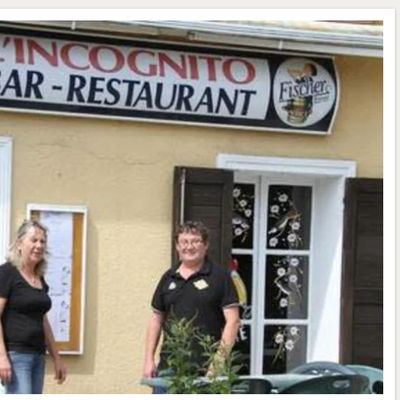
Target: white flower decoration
(247, 212)
(283, 302)
(281, 271)
(238, 231)
(243, 203)
(236, 221)
(296, 226)
(236, 192)
(294, 262)
(293, 278)
(294, 330)
(279, 338)
(292, 237)
(274, 209)
(273, 242)
(283, 198)
(289, 345)
(245, 225)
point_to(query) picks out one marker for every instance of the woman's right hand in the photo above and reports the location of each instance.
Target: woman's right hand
(149, 369)
(5, 369)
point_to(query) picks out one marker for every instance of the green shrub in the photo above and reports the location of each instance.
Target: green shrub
(183, 372)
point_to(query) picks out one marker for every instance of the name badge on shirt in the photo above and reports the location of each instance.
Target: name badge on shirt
(201, 284)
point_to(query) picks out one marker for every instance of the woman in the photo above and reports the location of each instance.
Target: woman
(25, 332)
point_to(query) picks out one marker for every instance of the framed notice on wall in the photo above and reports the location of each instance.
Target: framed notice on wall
(65, 273)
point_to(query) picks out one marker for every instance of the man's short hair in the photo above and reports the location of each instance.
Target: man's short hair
(194, 227)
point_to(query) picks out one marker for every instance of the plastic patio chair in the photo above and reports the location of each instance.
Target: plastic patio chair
(322, 368)
(375, 376)
(251, 386)
(330, 384)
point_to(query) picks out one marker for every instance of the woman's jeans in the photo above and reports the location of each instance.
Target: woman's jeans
(27, 373)
(161, 389)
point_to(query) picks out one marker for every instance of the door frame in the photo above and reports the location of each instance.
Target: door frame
(330, 176)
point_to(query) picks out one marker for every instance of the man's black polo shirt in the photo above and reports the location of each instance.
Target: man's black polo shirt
(203, 295)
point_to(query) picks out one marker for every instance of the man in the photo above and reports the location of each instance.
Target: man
(195, 289)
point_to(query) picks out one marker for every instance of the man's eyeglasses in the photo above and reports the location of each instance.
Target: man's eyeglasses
(187, 243)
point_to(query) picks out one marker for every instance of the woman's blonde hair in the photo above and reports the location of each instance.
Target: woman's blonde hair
(14, 255)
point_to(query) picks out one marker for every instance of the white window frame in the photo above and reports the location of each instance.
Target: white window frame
(329, 177)
(5, 194)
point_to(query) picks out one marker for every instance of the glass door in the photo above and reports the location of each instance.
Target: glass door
(271, 250)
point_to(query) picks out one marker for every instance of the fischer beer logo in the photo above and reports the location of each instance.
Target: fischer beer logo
(304, 92)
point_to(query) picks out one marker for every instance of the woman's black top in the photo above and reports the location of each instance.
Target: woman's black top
(22, 318)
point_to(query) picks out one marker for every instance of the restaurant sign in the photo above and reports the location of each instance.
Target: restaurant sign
(56, 73)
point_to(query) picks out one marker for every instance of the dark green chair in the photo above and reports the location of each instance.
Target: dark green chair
(375, 376)
(331, 384)
(251, 386)
(323, 368)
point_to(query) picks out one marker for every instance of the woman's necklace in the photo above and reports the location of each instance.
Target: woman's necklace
(33, 280)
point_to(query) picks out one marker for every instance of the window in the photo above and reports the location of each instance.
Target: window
(278, 335)
(271, 236)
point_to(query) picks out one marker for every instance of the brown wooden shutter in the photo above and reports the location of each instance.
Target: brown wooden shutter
(205, 194)
(362, 286)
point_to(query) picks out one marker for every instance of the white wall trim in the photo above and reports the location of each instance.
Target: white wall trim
(5, 193)
(304, 166)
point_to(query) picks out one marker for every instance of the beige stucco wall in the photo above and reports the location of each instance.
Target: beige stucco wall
(123, 172)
